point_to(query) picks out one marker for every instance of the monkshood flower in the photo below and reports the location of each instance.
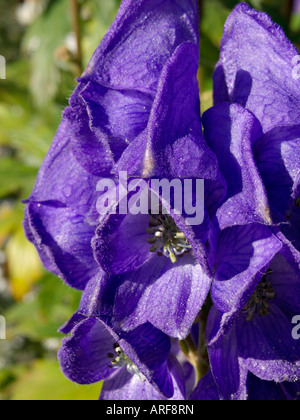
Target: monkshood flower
(151, 273)
(263, 82)
(244, 242)
(111, 109)
(261, 167)
(256, 139)
(133, 366)
(61, 217)
(255, 265)
(255, 335)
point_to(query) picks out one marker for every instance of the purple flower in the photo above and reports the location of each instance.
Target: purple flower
(256, 336)
(152, 273)
(263, 82)
(241, 240)
(135, 365)
(136, 109)
(155, 94)
(117, 104)
(146, 277)
(256, 139)
(58, 218)
(261, 167)
(140, 284)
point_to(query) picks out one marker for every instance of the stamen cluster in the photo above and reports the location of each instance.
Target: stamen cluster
(167, 238)
(259, 303)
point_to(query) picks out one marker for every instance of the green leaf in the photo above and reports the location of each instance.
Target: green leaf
(51, 304)
(42, 39)
(15, 176)
(215, 15)
(102, 14)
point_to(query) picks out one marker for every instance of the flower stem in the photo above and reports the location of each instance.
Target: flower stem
(76, 28)
(197, 356)
(289, 12)
(200, 7)
(189, 348)
(203, 359)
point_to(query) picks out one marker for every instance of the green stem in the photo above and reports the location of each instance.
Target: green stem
(190, 350)
(200, 7)
(203, 359)
(76, 28)
(197, 356)
(289, 12)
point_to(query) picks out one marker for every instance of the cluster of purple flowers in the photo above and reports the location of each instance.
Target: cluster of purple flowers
(210, 317)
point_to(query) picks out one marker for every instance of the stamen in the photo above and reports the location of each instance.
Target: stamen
(167, 239)
(259, 302)
(120, 359)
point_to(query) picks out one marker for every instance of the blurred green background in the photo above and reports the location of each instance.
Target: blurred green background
(37, 38)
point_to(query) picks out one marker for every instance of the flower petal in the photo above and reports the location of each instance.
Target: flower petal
(168, 295)
(177, 129)
(263, 346)
(174, 146)
(230, 131)
(93, 153)
(116, 117)
(149, 349)
(286, 282)
(277, 155)
(262, 81)
(206, 389)
(121, 243)
(243, 253)
(84, 356)
(55, 217)
(260, 390)
(143, 36)
(112, 103)
(125, 386)
(229, 375)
